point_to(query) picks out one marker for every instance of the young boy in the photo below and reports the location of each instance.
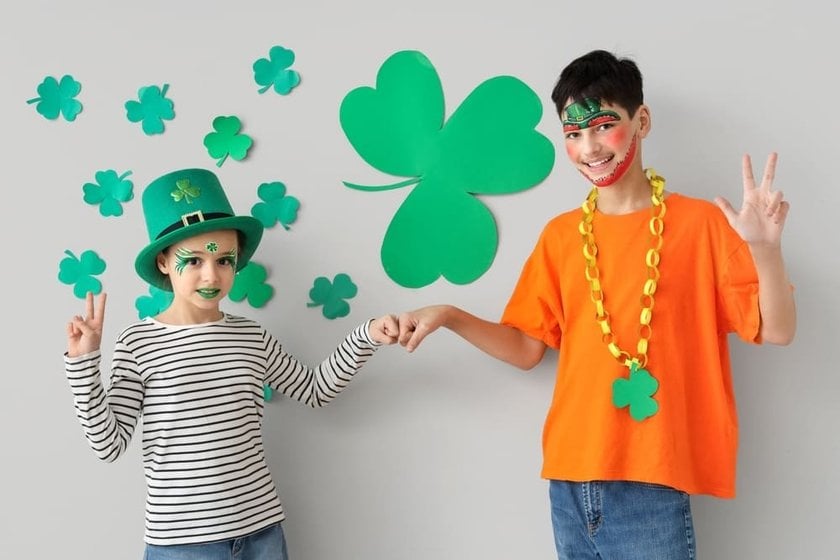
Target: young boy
(639, 301)
(196, 375)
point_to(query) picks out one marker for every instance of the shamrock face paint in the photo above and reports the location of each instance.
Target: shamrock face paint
(212, 246)
(600, 141)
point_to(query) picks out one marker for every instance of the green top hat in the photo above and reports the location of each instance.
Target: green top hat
(183, 204)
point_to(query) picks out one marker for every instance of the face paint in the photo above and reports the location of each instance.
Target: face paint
(183, 257)
(586, 114)
(620, 169)
(233, 256)
(212, 246)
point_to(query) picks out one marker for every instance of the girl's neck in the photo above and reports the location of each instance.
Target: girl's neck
(188, 315)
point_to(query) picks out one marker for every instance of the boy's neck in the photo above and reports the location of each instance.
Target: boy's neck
(627, 195)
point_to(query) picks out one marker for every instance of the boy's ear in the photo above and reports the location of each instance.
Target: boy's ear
(644, 120)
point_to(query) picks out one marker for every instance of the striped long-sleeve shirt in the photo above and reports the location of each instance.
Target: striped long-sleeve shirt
(199, 390)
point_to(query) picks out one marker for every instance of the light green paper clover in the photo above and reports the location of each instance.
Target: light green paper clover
(156, 302)
(250, 282)
(488, 146)
(276, 206)
(274, 71)
(58, 98)
(80, 272)
(332, 295)
(109, 191)
(151, 109)
(226, 140)
(637, 393)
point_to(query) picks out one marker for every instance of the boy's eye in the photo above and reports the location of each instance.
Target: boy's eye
(605, 126)
(572, 135)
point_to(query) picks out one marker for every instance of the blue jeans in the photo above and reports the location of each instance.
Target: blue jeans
(265, 544)
(617, 520)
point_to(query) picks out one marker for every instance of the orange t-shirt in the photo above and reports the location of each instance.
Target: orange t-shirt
(707, 289)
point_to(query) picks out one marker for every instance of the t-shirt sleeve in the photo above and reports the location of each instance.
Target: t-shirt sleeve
(535, 305)
(738, 289)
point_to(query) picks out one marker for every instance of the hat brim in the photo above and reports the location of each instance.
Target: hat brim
(146, 262)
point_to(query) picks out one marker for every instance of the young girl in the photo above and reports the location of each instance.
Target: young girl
(196, 375)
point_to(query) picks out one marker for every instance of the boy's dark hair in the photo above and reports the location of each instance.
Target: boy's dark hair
(602, 75)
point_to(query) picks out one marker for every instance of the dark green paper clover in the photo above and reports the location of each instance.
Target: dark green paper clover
(109, 191)
(58, 98)
(274, 71)
(226, 140)
(332, 295)
(488, 146)
(156, 302)
(250, 282)
(151, 109)
(80, 272)
(275, 206)
(637, 393)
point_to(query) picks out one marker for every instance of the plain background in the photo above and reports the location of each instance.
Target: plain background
(435, 454)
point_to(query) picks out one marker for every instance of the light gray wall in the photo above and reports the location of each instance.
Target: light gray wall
(436, 454)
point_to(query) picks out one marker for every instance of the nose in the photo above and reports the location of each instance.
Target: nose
(210, 272)
(590, 146)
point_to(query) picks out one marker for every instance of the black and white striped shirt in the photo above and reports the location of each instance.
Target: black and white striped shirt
(199, 389)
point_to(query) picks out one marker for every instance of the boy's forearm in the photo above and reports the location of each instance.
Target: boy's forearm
(775, 295)
(500, 341)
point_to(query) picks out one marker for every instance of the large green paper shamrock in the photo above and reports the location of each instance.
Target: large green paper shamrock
(636, 392)
(152, 109)
(109, 191)
(81, 271)
(274, 71)
(275, 206)
(227, 141)
(332, 295)
(488, 146)
(58, 98)
(156, 302)
(250, 282)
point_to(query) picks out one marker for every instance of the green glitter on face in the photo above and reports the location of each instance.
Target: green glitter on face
(183, 257)
(212, 246)
(232, 256)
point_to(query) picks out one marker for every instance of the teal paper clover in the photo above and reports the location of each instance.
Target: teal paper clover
(637, 393)
(109, 191)
(80, 272)
(156, 302)
(274, 71)
(332, 295)
(488, 146)
(268, 393)
(226, 140)
(58, 98)
(275, 206)
(151, 109)
(250, 282)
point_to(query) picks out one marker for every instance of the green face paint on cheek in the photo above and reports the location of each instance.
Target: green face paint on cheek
(182, 259)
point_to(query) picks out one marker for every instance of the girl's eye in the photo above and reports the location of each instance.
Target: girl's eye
(227, 261)
(192, 261)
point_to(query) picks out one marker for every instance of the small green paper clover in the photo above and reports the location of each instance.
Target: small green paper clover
(152, 109)
(156, 302)
(250, 282)
(332, 295)
(273, 71)
(109, 191)
(276, 206)
(58, 98)
(81, 271)
(227, 141)
(268, 392)
(637, 393)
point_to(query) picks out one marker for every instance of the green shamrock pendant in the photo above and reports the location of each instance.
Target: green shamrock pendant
(637, 393)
